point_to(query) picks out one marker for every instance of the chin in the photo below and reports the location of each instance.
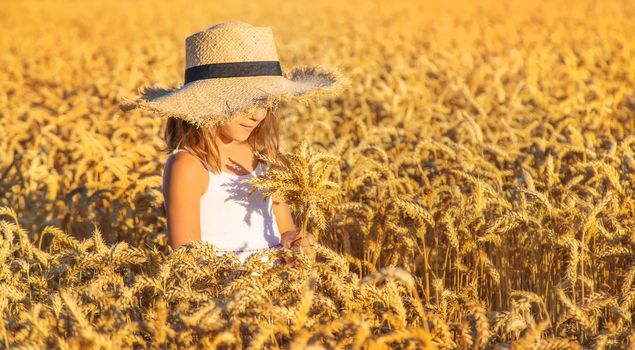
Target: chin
(242, 137)
(238, 134)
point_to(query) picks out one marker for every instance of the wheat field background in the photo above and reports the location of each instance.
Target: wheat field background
(484, 160)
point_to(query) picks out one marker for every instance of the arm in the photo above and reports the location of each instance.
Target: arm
(283, 216)
(288, 230)
(185, 181)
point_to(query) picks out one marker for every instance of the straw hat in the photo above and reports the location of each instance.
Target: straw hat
(232, 68)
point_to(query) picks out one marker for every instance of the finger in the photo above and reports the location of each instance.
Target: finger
(292, 234)
(299, 243)
(287, 244)
(289, 241)
(308, 252)
(301, 247)
(292, 240)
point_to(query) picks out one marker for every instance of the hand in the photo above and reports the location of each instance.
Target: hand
(290, 237)
(303, 245)
(292, 240)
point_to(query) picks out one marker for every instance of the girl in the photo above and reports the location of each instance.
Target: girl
(203, 201)
(222, 114)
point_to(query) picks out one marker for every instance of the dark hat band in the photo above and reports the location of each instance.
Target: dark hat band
(232, 69)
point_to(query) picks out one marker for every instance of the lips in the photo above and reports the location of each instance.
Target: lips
(247, 127)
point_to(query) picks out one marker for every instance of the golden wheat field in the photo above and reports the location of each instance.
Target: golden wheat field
(472, 189)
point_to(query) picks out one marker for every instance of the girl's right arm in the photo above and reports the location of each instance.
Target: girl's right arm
(185, 181)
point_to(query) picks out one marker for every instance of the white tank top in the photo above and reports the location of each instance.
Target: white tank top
(231, 220)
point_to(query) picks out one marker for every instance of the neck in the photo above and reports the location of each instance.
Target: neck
(226, 141)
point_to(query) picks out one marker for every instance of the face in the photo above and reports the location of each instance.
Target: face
(239, 129)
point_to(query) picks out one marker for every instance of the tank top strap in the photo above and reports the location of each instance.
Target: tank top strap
(194, 154)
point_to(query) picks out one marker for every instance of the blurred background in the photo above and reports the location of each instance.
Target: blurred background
(507, 126)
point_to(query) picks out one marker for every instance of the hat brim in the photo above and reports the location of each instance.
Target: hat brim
(210, 102)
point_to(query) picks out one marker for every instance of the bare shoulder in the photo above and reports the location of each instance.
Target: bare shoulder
(183, 171)
(185, 180)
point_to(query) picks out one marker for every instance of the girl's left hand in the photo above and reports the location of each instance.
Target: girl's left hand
(291, 240)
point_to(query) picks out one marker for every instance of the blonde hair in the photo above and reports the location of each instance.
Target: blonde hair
(202, 141)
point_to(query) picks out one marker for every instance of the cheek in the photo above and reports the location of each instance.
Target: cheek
(235, 131)
(231, 128)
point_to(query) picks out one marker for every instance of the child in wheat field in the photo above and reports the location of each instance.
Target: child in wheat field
(222, 114)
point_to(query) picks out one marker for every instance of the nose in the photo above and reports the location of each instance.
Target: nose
(259, 115)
